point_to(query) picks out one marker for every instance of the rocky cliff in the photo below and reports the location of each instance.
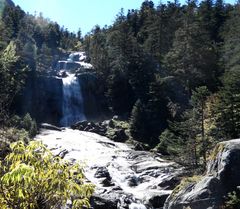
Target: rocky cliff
(42, 98)
(222, 177)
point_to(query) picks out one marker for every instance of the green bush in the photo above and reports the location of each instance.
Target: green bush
(168, 144)
(27, 123)
(9, 135)
(233, 200)
(31, 177)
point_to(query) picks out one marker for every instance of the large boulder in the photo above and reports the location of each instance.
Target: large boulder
(208, 192)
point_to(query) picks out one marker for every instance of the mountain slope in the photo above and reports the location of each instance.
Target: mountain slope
(3, 3)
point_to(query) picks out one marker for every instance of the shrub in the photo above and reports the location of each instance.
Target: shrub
(233, 200)
(31, 177)
(9, 135)
(29, 125)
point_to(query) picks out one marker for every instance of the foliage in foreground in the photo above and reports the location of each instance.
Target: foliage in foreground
(232, 200)
(31, 177)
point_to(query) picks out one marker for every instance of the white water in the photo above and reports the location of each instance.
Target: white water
(72, 107)
(122, 163)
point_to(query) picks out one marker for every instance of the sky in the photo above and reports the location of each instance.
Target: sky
(84, 14)
(75, 14)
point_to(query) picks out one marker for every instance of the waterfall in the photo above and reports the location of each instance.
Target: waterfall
(72, 107)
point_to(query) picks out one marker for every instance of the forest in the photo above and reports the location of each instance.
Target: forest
(170, 71)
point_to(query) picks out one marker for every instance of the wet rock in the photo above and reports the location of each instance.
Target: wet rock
(90, 126)
(133, 181)
(222, 177)
(170, 183)
(119, 135)
(62, 153)
(102, 172)
(107, 182)
(100, 202)
(111, 124)
(50, 127)
(158, 200)
(124, 178)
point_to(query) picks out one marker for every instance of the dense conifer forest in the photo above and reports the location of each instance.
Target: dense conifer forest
(170, 70)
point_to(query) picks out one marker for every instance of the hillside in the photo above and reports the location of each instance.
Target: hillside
(5, 2)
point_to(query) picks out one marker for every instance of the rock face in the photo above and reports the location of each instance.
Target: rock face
(93, 100)
(42, 98)
(222, 177)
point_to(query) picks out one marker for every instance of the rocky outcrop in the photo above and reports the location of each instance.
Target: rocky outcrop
(97, 128)
(50, 127)
(106, 128)
(222, 177)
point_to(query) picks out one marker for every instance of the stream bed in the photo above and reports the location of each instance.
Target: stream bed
(124, 177)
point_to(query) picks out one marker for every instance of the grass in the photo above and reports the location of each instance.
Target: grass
(186, 182)
(218, 149)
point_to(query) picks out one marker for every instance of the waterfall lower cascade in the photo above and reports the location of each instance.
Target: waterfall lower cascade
(72, 107)
(124, 177)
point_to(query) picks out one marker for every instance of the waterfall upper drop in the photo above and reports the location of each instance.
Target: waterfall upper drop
(72, 106)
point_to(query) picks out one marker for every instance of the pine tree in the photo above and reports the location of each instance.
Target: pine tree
(11, 79)
(138, 123)
(157, 108)
(188, 60)
(228, 107)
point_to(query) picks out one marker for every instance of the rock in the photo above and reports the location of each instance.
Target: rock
(133, 181)
(94, 102)
(42, 98)
(222, 177)
(111, 124)
(115, 117)
(170, 183)
(50, 127)
(90, 127)
(140, 146)
(119, 135)
(107, 182)
(158, 200)
(102, 172)
(100, 202)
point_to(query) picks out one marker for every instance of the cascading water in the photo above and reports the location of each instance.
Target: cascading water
(133, 179)
(72, 107)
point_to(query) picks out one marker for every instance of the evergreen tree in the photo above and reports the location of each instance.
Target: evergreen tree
(227, 108)
(119, 94)
(191, 128)
(188, 60)
(157, 108)
(138, 123)
(11, 79)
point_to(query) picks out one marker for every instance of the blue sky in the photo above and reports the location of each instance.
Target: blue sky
(84, 14)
